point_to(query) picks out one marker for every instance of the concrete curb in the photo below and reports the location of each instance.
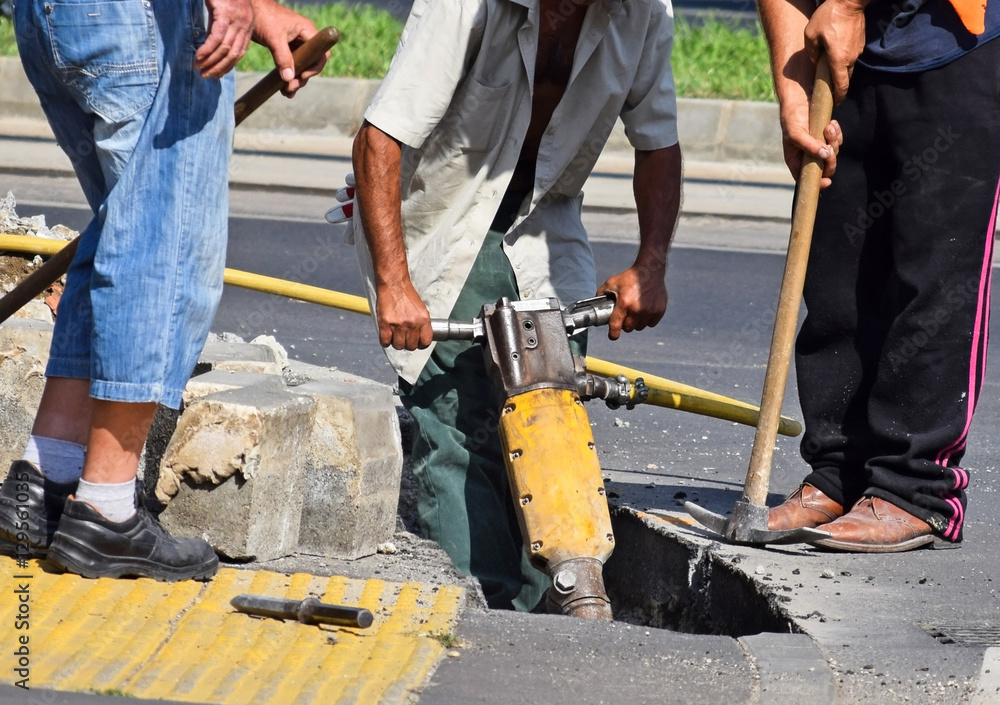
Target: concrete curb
(330, 111)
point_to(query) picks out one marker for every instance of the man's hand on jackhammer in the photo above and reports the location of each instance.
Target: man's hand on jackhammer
(640, 297)
(403, 319)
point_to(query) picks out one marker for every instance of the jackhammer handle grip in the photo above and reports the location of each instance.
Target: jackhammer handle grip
(587, 313)
(456, 330)
(304, 56)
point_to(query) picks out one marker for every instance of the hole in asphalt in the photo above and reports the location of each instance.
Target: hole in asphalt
(656, 581)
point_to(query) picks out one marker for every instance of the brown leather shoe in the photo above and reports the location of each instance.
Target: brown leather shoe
(805, 507)
(876, 526)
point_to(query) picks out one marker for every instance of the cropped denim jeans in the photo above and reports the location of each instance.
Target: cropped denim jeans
(150, 142)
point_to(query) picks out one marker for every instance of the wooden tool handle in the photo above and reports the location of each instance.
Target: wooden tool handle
(38, 281)
(304, 56)
(787, 315)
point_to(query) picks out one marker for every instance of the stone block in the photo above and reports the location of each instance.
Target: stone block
(240, 357)
(238, 455)
(24, 352)
(36, 310)
(353, 467)
(224, 379)
(160, 433)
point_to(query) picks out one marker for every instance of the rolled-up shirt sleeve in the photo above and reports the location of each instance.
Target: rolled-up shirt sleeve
(650, 111)
(438, 42)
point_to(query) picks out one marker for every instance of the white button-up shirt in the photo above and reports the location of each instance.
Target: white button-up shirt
(458, 96)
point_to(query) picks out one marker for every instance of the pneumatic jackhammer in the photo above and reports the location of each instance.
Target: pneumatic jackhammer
(552, 466)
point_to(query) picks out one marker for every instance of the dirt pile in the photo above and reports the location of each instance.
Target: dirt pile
(15, 266)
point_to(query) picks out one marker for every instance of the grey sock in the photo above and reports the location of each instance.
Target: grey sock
(60, 461)
(116, 501)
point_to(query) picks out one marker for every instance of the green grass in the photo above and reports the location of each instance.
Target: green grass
(715, 60)
(446, 639)
(367, 41)
(7, 45)
(711, 60)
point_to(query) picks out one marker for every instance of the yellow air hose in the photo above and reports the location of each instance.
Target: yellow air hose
(662, 392)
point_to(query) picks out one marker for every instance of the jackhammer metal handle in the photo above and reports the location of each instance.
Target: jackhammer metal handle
(457, 330)
(587, 313)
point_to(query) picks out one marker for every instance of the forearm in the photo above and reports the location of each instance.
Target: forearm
(657, 188)
(788, 26)
(784, 23)
(402, 317)
(798, 32)
(377, 162)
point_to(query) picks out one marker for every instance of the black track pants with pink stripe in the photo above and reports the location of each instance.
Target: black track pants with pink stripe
(891, 355)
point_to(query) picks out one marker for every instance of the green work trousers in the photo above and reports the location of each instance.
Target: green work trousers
(463, 497)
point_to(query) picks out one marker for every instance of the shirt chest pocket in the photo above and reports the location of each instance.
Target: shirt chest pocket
(476, 117)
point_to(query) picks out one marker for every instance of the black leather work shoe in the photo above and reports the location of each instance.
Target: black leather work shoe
(30, 508)
(89, 544)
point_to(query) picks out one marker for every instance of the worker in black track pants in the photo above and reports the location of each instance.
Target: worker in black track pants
(891, 356)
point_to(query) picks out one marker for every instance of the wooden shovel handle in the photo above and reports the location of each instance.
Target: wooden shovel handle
(38, 281)
(787, 315)
(304, 56)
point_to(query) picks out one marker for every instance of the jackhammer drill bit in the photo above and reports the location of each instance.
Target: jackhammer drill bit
(307, 611)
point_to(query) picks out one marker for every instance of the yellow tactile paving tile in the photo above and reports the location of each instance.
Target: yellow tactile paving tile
(185, 642)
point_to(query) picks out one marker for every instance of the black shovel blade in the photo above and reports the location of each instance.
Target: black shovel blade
(748, 525)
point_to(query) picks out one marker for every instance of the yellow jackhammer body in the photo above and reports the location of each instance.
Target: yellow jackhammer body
(552, 466)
